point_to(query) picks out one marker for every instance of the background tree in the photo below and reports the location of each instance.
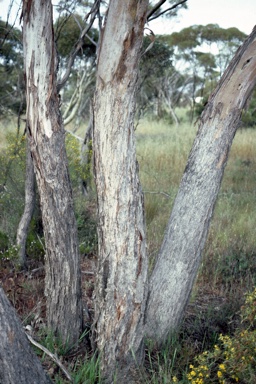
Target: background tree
(200, 53)
(77, 93)
(152, 64)
(11, 76)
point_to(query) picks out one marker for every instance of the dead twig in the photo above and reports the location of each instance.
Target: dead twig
(51, 355)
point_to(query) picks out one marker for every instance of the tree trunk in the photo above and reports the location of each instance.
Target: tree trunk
(121, 282)
(47, 140)
(30, 194)
(18, 363)
(180, 255)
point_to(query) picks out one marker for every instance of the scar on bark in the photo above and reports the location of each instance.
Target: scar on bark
(127, 46)
(105, 276)
(222, 160)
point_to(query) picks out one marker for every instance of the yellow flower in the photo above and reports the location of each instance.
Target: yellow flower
(219, 374)
(174, 379)
(222, 367)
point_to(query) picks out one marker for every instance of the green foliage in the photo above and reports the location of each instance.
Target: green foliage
(79, 170)
(67, 33)
(12, 171)
(164, 364)
(10, 254)
(35, 247)
(88, 371)
(248, 310)
(85, 369)
(52, 342)
(86, 226)
(195, 35)
(3, 242)
(12, 174)
(155, 66)
(11, 69)
(249, 116)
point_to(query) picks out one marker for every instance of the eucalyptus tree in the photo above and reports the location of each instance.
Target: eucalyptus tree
(202, 54)
(11, 75)
(73, 47)
(46, 138)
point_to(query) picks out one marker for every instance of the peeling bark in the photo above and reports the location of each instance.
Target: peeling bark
(180, 255)
(121, 283)
(47, 143)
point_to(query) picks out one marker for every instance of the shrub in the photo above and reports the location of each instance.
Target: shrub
(234, 357)
(3, 242)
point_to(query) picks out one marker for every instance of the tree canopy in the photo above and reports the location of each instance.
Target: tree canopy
(11, 73)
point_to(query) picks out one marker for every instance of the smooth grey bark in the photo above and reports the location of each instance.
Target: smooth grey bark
(180, 255)
(30, 197)
(18, 363)
(121, 278)
(47, 143)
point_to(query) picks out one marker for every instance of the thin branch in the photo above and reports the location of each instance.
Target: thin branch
(79, 44)
(91, 40)
(152, 38)
(166, 10)
(73, 134)
(76, 98)
(51, 355)
(77, 21)
(155, 8)
(158, 193)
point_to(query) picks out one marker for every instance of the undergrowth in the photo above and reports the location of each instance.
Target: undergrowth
(216, 342)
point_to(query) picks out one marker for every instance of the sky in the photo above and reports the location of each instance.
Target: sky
(226, 13)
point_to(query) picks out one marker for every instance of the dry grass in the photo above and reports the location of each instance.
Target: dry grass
(229, 256)
(162, 152)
